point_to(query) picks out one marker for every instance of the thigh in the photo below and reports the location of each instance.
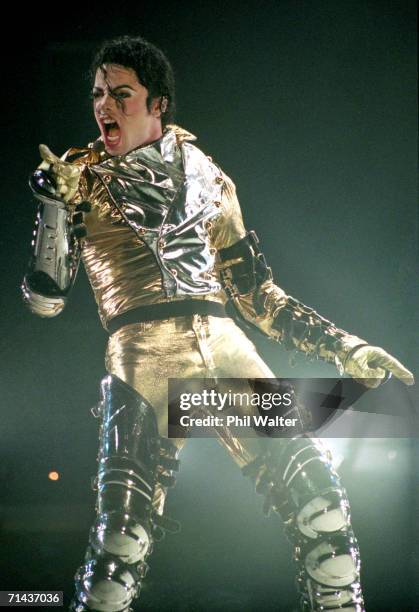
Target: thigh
(235, 359)
(234, 355)
(146, 355)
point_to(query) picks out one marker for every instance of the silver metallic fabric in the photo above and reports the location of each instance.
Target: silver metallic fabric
(166, 195)
(122, 535)
(54, 262)
(153, 246)
(299, 482)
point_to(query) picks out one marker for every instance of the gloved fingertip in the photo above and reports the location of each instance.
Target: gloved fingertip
(44, 150)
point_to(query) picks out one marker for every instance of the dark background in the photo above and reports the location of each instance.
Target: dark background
(311, 107)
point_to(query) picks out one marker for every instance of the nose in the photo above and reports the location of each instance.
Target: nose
(105, 103)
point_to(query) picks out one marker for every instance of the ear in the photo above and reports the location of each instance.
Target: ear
(155, 109)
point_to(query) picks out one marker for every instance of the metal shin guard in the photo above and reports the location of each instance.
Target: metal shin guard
(299, 482)
(132, 465)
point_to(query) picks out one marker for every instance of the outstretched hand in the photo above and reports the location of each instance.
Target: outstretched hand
(371, 365)
(66, 175)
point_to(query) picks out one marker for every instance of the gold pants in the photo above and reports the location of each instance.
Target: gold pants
(145, 355)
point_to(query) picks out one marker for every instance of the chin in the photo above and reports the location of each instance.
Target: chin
(113, 151)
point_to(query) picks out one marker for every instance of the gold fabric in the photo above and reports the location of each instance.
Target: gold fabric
(370, 365)
(122, 270)
(66, 175)
(145, 355)
(334, 344)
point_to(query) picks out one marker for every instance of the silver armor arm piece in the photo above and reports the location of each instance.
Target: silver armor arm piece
(56, 253)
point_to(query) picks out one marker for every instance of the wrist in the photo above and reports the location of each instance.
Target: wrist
(348, 345)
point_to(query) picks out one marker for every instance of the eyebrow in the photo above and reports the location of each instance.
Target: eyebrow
(114, 88)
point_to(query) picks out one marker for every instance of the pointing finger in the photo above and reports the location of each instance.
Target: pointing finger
(47, 155)
(394, 366)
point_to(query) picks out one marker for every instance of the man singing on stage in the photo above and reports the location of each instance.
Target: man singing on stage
(159, 229)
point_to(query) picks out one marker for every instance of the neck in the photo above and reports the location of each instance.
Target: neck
(155, 133)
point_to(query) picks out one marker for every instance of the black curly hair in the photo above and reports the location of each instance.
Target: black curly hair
(149, 63)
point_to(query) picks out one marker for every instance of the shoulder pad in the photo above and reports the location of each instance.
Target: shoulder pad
(180, 133)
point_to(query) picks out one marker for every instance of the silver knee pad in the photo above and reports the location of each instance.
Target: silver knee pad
(324, 514)
(106, 583)
(122, 535)
(300, 483)
(128, 460)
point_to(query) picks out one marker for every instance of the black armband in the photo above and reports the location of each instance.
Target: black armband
(243, 267)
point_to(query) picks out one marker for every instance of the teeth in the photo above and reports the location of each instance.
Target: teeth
(107, 120)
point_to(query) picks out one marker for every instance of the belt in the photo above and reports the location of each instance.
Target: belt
(166, 310)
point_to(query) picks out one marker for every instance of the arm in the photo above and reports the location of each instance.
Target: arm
(249, 283)
(56, 252)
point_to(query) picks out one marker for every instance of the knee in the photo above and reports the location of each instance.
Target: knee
(106, 583)
(326, 513)
(122, 535)
(333, 561)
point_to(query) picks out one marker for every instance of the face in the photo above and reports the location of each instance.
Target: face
(119, 104)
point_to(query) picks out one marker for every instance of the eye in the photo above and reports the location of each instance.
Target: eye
(121, 95)
(95, 94)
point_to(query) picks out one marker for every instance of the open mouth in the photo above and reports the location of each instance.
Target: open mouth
(112, 133)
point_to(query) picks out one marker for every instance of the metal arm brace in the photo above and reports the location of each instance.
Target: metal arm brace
(55, 257)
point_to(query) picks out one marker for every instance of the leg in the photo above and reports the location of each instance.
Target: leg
(298, 481)
(134, 464)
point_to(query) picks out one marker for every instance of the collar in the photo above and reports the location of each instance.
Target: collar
(95, 152)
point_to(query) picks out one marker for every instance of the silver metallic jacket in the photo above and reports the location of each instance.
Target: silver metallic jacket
(166, 195)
